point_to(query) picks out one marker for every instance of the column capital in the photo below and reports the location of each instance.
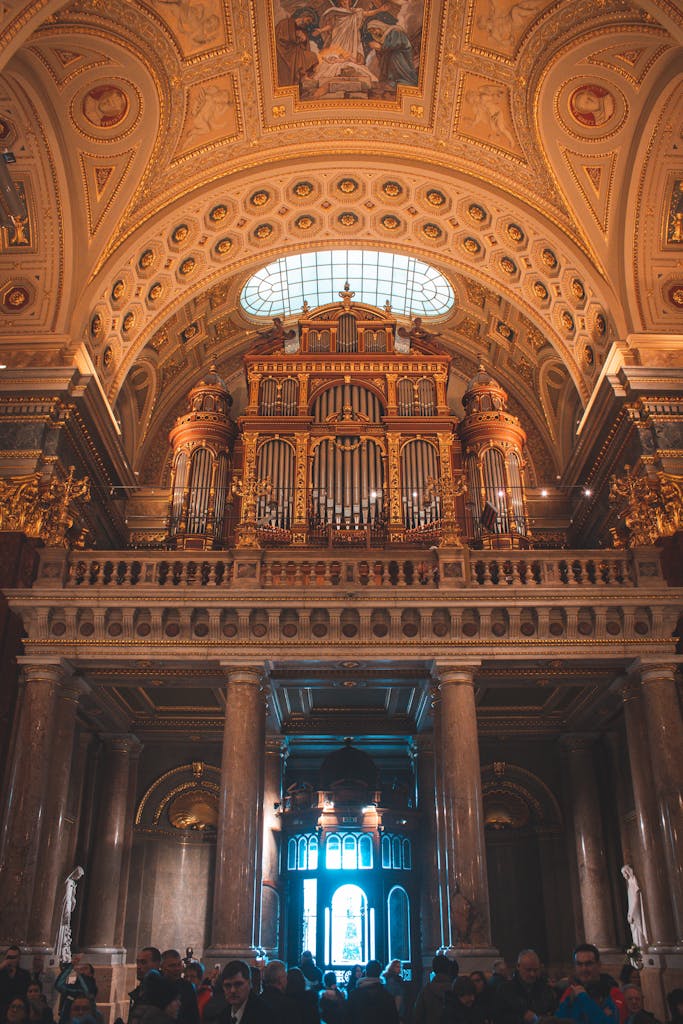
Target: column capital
(629, 689)
(459, 673)
(124, 742)
(249, 674)
(53, 670)
(657, 670)
(276, 744)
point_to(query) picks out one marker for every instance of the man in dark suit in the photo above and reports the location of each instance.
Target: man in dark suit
(172, 968)
(276, 1004)
(242, 1004)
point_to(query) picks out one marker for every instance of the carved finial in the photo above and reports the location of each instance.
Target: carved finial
(346, 295)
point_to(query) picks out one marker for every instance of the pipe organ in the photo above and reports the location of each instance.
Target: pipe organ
(352, 440)
(347, 439)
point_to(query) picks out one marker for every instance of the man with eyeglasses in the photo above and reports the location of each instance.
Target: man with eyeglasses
(592, 997)
(527, 996)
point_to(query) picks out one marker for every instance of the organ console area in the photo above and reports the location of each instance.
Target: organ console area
(347, 441)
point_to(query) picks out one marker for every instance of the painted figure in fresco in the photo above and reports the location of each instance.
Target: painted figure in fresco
(341, 24)
(105, 106)
(592, 105)
(488, 106)
(211, 108)
(295, 57)
(195, 20)
(505, 27)
(393, 54)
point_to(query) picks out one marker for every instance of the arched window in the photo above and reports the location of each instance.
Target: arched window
(398, 924)
(407, 856)
(291, 854)
(349, 853)
(302, 860)
(365, 852)
(396, 852)
(313, 853)
(333, 861)
(386, 852)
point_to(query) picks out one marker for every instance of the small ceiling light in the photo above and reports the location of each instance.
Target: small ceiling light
(587, 492)
(544, 493)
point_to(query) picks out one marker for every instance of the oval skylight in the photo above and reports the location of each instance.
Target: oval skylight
(411, 286)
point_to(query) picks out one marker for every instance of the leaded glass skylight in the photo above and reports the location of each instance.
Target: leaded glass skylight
(411, 286)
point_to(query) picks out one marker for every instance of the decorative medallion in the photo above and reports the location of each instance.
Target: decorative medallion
(259, 198)
(128, 322)
(117, 291)
(180, 233)
(196, 809)
(592, 105)
(304, 222)
(471, 245)
(390, 222)
(218, 213)
(223, 246)
(588, 356)
(7, 132)
(146, 259)
(600, 324)
(435, 198)
(476, 212)
(263, 230)
(105, 106)
(58, 628)
(155, 291)
(87, 628)
(508, 265)
(549, 258)
(432, 230)
(348, 186)
(108, 357)
(348, 219)
(578, 290)
(675, 295)
(189, 332)
(567, 320)
(505, 330)
(515, 233)
(540, 290)
(15, 299)
(96, 326)
(392, 189)
(187, 266)
(302, 189)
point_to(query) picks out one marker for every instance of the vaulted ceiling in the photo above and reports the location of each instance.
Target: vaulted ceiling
(532, 152)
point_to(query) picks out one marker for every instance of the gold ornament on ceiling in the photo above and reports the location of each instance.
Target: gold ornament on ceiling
(108, 357)
(128, 322)
(540, 290)
(118, 290)
(302, 189)
(188, 266)
(567, 320)
(223, 246)
(348, 219)
(675, 294)
(515, 233)
(304, 222)
(549, 258)
(348, 186)
(508, 265)
(180, 233)
(15, 298)
(146, 259)
(600, 324)
(432, 230)
(435, 197)
(218, 213)
(259, 198)
(196, 809)
(263, 230)
(96, 326)
(471, 245)
(477, 212)
(390, 222)
(155, 291)
(578, 290)
(392, 189)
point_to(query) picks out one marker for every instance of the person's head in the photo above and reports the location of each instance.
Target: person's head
(236, 983)
(357, 972)
(148, 959)
(478, 979)
(296, 982)
(373, 969)
(163, 992)
(17, 1011)
(171, 964)
(675, 1000)
(441, 965)
(633, 999)
(586, 959)
(464, 991)
(34, 992)
(307, 957)
(275, 975)
(12, 957)
(81, 1007)
(194, 972)
(528, 966)
(629, 975)
(330, 979)
(500, 967)
(87, 969)
(393, 968)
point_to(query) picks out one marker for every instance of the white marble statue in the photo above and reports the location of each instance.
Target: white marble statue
(63, 947)
(635, 912)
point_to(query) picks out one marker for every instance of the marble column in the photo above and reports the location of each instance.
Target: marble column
(106, 877)
(665, 735)
(464, 817)
(238, 836)
(270, 869)
(49, 885)
(430, 908)
(653, 874)
(594, 888)
(26, 787)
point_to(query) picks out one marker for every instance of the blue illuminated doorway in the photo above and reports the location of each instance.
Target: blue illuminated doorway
(349, 927)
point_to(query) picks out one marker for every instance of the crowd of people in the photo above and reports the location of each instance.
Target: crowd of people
(170, 986)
